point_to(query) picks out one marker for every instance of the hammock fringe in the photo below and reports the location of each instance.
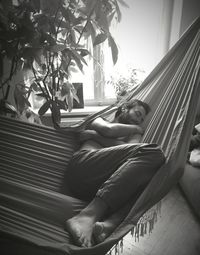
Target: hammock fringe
(146, 223)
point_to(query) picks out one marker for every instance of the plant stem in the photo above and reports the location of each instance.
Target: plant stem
(46, 95)
(81, 34)
(2, 90)
(13, 69)
(7, 92)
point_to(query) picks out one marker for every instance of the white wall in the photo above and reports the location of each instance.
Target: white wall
(144, 32)
(190, 11)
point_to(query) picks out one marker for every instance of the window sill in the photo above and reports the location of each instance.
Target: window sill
(69, 118)
(87, 110)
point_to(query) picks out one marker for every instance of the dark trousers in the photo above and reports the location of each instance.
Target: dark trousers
(114, 174)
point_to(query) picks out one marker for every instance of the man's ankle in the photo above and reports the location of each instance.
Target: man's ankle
(96, 209)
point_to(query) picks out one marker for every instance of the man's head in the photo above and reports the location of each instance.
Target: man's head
(132, 112)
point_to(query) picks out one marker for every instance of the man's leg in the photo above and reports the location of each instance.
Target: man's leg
(131, 177)
(133, 168)
(102, 229)
(88, 170)
(144, 165)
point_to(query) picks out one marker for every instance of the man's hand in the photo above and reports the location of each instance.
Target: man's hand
(139, 130)
(92, 135)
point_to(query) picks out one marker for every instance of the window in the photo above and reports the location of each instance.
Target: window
(94, 78)
(143, 38)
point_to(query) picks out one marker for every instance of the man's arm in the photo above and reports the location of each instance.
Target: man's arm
(115, 130)
(133, 139)
(92, 135)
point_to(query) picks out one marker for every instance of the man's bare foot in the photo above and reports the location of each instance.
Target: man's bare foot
(102, 230)
(81, 227)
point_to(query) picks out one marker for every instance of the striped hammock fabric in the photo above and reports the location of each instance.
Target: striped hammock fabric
(34, 159)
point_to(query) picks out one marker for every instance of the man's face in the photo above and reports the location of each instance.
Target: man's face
(135, 115)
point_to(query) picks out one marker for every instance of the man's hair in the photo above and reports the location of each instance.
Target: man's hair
(131, 104)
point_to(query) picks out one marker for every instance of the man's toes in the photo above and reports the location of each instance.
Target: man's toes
(102, 237)
(85, 242)
(98, 232)
(98, 228)
(81, 241)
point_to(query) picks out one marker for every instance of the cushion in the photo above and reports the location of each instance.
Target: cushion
(195, 157)
(190, 184)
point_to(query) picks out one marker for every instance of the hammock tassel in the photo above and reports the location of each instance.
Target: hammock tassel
(121, 245)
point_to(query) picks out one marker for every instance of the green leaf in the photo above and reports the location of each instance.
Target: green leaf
(37, 67)
(73, 35)
(119, 15)
(62, 24)
(90, 30)
(78, 21)
(1, 67)
(69, 99)
(77, 58)
(42, 21)
(122, 2)
(50, 6)
(36, 5)
(114, 49)
(75, 53)
(87, 9)
(27, 102)
(110, 17)
(28, 52)
(44, 108)
(83, 52)
(74, 93)
(76, 98)
(72, 69)
(41, 95)
(79, 64)
(78, 28)
(67, 14)
(101, 19)
(34, 87)
(49, 39)
(58, 47)
(62, 104)
(66, 87)
(100, 38)
(20, 100)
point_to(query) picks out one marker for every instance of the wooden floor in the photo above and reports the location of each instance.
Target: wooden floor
(177, 231)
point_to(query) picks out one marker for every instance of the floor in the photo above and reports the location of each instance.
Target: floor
(177, 231)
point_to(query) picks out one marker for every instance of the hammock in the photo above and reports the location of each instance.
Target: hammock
(34, 159)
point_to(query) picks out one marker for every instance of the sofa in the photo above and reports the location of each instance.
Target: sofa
(190, 181)
(190, 184)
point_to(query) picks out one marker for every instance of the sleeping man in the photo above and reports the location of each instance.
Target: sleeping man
(110, 171)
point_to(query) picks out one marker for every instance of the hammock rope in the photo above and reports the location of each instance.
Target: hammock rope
(34, 159)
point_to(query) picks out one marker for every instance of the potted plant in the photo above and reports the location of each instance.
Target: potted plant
(123, 83)
(47, 38)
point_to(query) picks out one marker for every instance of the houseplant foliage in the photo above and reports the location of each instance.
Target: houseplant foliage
(47, 37)
(124, 83)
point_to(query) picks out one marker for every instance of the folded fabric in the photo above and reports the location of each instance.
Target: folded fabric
(197, 127)
(195, 157)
